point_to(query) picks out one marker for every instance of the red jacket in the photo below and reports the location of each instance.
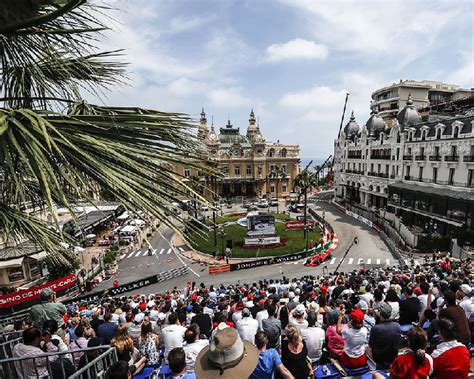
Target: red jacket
(451, 360)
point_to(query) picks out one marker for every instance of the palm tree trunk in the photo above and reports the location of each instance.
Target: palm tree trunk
(305, 218)
(277, 183)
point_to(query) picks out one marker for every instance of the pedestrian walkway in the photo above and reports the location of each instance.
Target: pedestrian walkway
(359, 262)
(144, 253)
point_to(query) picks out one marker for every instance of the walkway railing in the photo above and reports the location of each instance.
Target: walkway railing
(98, 360)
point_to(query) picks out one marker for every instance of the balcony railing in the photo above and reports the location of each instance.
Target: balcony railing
(420, 157)
(408, 177)
(407, 157)
(435, 157)
(451, 158)
(468, 158)
(378, 174)
(354, 156)
(354, 171)
(387, 157)
(392, 176)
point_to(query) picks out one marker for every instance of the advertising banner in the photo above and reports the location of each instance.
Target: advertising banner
(33, 293)
(260, 225)
(300, 224)
(267, 261)
(261, 241)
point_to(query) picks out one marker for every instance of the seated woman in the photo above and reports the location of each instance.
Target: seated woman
(294, 353)
(148, 344)
(123, 343)
(335, 342)
(355, 339)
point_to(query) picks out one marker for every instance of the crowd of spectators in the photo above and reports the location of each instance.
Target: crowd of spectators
(413, 322)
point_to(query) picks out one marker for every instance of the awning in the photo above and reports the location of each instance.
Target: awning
(123, 216)
(11, 262)
(128, 229)
(40, 255)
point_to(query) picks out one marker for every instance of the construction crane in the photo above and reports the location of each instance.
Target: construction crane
(331, 173)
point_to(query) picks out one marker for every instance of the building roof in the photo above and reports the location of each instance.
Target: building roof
(89, 220)
(434, 190)
(20, 250)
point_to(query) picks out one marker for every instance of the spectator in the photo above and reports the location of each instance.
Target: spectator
(355, 339)
(423, 298)
(294, 353)
(48, 309)
(51, 339)
(409, 308)
(263, 314)
(203, 320)
(247, 327)
(173, 334)
(413, 362)
(313, 336)
(119, 370)
(457, 315)
(269, 360)
(385, 339)
(227, 357)
(297, 317)
(19, 327)
(272, 328)
(30, 347)
(177, 364)
(72, 324)
(89, 331)
(451, 358)
(148, 344)
(90, 355)
(95, 322)
(335, 342)
(393, 300)
(135, 329)
(107, 330)
(193, 345)
(79, 343)
(125, 351)
(369, 320)
(465, 300)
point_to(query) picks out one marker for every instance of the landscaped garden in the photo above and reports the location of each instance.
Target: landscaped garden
(292, 239)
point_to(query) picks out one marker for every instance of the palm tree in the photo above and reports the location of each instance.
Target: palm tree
(305, 181)
(277, 173)
(55, 148)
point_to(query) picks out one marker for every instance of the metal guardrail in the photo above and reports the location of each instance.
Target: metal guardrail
(6, 348)
(41, 366)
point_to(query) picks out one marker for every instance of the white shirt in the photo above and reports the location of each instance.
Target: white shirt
(262, 315)
(367, 297)
(247, 328)
(192, 350)
(395, 315)
(355, 341)
(468, 305)
(300, 324)
(236, 316)
(172, 337)
(314, 338)
(423, 302)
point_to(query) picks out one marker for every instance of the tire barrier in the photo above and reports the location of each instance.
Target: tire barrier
(219, 269)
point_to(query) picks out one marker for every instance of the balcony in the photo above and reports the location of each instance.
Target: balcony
(407, 157)
(382, 175)
(392, 176)
(420, 157)
(468, 158)
(408, 177)
(435, 158)
(354, 172)
(385, 157)
(354, 156)
(451, 158)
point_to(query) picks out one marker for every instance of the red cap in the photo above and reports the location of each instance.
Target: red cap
(167, 296)
(357, 315)
(239, 307)
(249, 296)
(142, 306)
(263, 293)
(417, 291)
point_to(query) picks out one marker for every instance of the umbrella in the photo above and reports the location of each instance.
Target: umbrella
(78, 249)
(91, 236)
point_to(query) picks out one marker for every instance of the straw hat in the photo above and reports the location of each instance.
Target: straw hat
(226, 357)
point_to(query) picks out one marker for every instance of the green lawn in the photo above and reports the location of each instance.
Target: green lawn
(236, 233)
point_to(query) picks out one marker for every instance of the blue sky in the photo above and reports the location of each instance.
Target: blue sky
(292, 61)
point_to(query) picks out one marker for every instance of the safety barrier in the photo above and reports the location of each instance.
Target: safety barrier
(98, 359)
(6, 348)
(219, 269)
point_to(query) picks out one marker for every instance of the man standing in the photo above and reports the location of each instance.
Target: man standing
(29, 348)
(173, 334)
(409, 307)
(247, 327)
(107, 330)
(193, 345)
(203, 320)
(465, 300)
(48, 309)
(314, 337)
(272, 328)
(385, 339)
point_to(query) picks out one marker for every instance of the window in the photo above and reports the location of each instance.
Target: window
(272, 188)
(437, 151)
(283, 153)
(438, 134)
(420, 174)
(452, 172)
(225, 171)
(422, 151)
(187, 172)
(398, 137)
(237, 170)
(470, 178)
(283, 188)
(423, 135)
(283, 168)
(249, 170)
(408, 170)
(387, 167)
(371, 167)
(259, 170)
(272, 168)
(15, 273)
(435, 174)
(456, 132)
(35, 268)
(398, 153)
(379, 168)
(454, 151)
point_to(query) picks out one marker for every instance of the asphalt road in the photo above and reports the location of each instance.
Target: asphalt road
(369, 252)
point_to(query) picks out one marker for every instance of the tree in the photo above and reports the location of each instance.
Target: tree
(57, 149)
(277, 173)
(305, 181)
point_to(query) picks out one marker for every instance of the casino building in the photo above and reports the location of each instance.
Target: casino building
(248, 163)
(417, 173)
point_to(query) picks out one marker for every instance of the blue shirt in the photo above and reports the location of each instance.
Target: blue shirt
(268, 361)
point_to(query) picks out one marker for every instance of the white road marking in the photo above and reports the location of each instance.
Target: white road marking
(332, 261)
(123, 256)
(169, 251)
(350, 261)
(388, 261)
(161, 251)
(360, 261)
(369, 261)
(378, 261)
(181, 249)
(138, 254)
(341, 261)
(133, 252)
(154, 252)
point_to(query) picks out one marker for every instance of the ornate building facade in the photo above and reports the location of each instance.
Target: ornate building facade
(421, 172)
(247, 161)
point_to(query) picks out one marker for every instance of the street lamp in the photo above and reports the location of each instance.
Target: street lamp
(354, 242)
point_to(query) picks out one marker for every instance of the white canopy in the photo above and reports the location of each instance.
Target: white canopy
(91, 236)
(123, 216)
(40, 255)
(11, 262)
(128, 229)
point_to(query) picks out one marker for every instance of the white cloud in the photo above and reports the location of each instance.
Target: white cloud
(186, 87)
(464, 75)
(228, 98)
(390, 28)
(317, 96)
(181, 24)
(297, 49)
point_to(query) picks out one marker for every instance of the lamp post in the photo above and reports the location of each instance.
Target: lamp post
(354, 242)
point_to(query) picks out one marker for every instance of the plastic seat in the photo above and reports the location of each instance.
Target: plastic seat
(356, 371)
(405, 328)
(144, 374)
(318, 373)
